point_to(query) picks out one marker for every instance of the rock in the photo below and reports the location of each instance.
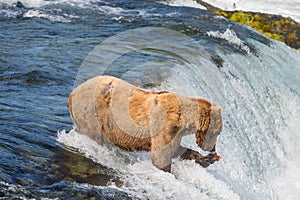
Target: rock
(19, 4)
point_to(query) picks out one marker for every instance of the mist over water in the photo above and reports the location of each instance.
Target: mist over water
(190, 52)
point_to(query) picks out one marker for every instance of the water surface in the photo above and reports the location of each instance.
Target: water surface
(46, 48)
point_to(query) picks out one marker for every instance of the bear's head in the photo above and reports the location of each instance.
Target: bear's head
(207, 135)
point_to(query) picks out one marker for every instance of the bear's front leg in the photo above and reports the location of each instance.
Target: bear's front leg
(161, 158)
(163, 150)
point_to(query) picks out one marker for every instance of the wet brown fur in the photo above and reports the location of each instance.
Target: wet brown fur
(109, 109)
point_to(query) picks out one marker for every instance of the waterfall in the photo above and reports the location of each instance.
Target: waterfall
(257, 88)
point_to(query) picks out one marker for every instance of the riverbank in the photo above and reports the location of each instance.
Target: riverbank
(277, 27)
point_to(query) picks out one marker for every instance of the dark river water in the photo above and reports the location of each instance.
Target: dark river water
(49, 47)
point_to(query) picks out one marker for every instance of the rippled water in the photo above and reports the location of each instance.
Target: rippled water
(46, 47)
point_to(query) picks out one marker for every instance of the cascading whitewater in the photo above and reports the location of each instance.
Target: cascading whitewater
(255, 80)
(258, 96)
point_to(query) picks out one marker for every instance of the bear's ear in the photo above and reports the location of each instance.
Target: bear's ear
(216, 123)
(216, 108)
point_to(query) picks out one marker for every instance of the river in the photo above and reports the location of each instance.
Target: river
(49, 47)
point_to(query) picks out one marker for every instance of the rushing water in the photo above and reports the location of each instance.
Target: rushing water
(47, 47)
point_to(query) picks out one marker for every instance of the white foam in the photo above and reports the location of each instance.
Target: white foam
(231, 37)
(26, 3)
(100, 154)
(41, 14)
(188, 181)
(111, 10)
(187, 3)
(287, 183)
(280, 7)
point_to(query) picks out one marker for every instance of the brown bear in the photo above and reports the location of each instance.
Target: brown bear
(108, 109)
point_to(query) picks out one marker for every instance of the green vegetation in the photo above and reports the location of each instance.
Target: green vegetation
(273, 26)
